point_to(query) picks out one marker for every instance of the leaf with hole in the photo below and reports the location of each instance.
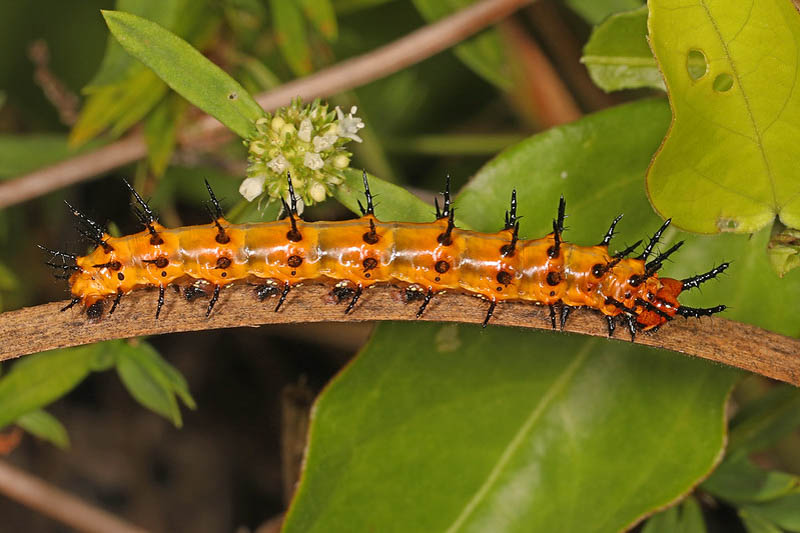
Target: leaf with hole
(617, 55)
(729, 162)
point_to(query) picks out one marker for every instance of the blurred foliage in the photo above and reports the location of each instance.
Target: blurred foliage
(521, 428)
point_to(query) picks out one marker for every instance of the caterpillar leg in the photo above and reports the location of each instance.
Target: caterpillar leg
(71, 304)
(565, 311)
(160, 300)
(95, 311)
(425, 302)
(213, 301)
(353, 302)
(612, 325)
(632, 326)
(116, 303)
(489, 313)
(552, 316)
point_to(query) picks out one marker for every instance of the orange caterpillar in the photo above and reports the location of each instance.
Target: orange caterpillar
(352, 255)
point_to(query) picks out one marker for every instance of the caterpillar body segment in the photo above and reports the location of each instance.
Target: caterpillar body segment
(352, 255)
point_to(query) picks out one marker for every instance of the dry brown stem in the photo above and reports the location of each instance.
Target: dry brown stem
(41, 328)
(206, 132)
(57, 504)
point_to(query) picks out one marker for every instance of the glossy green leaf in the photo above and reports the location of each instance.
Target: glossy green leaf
(152, 381)
(44, 426)
(531, 422)
(484, 53)
(161, 132)
(739, 481)
(617, 55)
(686, 517)
(743, 107)
(38, 380)
(784, 512)
(322, 16)
(20, 154)
(290, 32)
(391, 202)
(187, 71)
(452, 428)
(595, 11)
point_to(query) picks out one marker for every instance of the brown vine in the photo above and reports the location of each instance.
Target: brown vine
(43, 327)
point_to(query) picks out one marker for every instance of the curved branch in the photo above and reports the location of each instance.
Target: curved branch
(207, 131)
(59, 505)
(41, 328)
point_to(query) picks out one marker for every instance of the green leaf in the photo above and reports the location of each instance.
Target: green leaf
(37, 380)
(761, 423)
(322, 16)
(617, 55)
(687, 517)
(160, 132)
(484, 53)
(784, 512)
(744, 108)
(290, 32)
(20, 154)
(756, 523)
(118, 65)
(152, 381)
(118, 107)
(739, 481)
(45, 426)
(391, 202)
(187, 71)
(532, 422)
(595, 11)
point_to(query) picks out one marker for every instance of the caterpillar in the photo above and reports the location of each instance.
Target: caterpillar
(423, 259)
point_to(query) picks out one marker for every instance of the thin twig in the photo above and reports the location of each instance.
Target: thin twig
(57, 504)
(207, 131)
(41, 328)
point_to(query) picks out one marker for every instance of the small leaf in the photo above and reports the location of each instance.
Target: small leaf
(686, 517)
(45, 426)
(784, 512)
(322, 16)
(756, 523)
(152, 381)
(290, 32)
(739, 481)
(783, 249)
(596, 11)
(187, 71)
(617, 55)
(118, 107)
(761, 423)
(744, 103)
(160, 132)
(37, 380)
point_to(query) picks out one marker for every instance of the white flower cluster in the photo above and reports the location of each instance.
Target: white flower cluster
(306, 142)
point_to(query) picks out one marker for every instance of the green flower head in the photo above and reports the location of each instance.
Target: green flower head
(304, 141)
